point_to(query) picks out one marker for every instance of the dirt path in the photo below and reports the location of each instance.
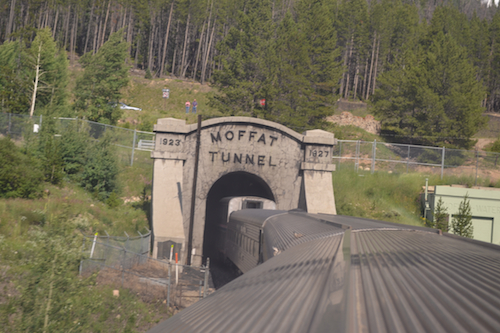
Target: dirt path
(481, 143)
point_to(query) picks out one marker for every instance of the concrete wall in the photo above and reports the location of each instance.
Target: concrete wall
(485, 208)
(294, 166)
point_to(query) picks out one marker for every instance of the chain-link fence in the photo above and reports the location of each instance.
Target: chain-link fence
(114, 251)
(125, 262)
(401, 158)
(133, 146)
(17, 125)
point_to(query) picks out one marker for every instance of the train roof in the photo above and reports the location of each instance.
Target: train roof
(255, 216)
(362, 279)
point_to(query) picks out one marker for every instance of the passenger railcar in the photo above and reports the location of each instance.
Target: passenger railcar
(236, 241)
(344, 274)
(256, 236)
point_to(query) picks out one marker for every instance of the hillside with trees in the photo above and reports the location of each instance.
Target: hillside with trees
(429, 68)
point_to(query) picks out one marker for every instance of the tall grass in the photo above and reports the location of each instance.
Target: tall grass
(381, 196)
(77, 207)
(385, 196)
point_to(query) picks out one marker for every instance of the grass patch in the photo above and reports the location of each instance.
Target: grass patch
(76, 206)
(388, 197)
(351, 133)
(380, 196)
(147, 94)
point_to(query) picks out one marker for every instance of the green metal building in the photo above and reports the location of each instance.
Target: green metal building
(484, 203)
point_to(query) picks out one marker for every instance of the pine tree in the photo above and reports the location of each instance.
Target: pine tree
(314, 19)
(493, 79)
(441, 216)
(432, 96)
(47, 68)
(100, 171)
(98, 89)
(246, 54)
(461, 223)
(34, 76)
(496, 149)
(291, 101)
(14, 83)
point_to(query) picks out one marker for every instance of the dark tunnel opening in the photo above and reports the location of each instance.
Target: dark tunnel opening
(230, 185)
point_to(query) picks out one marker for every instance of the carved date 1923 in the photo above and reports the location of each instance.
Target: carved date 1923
(170, 142)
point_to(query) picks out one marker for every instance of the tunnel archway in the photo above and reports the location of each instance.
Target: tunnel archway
(244, 156)
(233, 184)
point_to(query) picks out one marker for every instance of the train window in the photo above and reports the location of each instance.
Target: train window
(252, 204)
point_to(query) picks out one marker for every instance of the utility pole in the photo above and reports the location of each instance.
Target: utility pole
(193, 193)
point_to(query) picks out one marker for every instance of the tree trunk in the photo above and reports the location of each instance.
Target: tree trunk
(341, 91)
(105, 24)
(150, 42)
(356, 77)
(346, 94)
(137, 50)
(27, 16)
(46, 15)
(97, 32)
(212, 56)
(365, 78)
(186, 63)
(112, 22)
(198, 51)
(35, 86)
(72, 43)
(124, 17)
(66, 26)
(156, 49)
(164, 53)
(88, 27)
(185, 46)
(371, 66)
(10, 22)
(129, 31)
(204, 69)
(39, 19)
(55, 24)
(376, 67)
(205, 47)
(175, 48)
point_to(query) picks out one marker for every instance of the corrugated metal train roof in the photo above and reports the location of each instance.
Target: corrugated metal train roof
(418, 282)
(364, 280)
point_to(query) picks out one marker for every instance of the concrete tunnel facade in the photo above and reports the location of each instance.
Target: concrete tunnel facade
(239, 156)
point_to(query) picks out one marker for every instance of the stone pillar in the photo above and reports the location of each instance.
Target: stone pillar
(317, 169)
(167, 205)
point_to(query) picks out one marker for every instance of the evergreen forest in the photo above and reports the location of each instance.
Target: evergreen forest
(429, 69)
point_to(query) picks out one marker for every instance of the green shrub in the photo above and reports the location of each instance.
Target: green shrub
(432, 156)
(461, 223)
(101, 170)
(452, 157)
(20, 175)
(73, 146)
(114, 200)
